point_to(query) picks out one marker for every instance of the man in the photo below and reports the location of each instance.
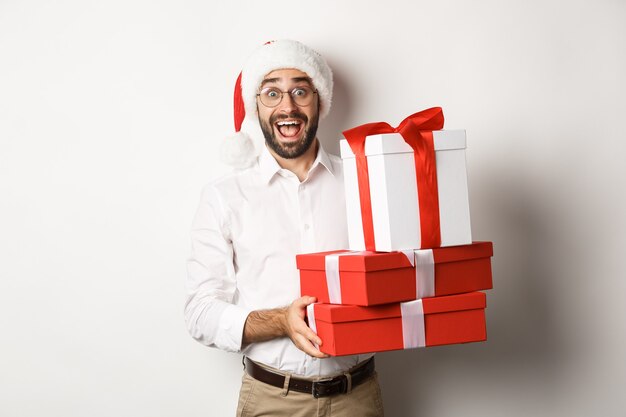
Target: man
(243, 284)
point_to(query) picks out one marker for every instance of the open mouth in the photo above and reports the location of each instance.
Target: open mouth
(289, 128)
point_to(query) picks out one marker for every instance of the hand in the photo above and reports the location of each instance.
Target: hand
(296, 328)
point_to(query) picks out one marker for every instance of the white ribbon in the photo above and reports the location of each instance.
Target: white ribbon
(424, 273)
(332, 276)
(410, 255)
(413, 331)
(310, 313)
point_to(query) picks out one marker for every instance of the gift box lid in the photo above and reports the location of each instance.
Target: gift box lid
(336, 313)
(390, 143)
(364, 261)
(463, 252)
(367, 261)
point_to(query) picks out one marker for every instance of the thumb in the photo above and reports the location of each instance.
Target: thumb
(306, 300)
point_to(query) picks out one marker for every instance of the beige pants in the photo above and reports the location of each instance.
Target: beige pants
(259, 399)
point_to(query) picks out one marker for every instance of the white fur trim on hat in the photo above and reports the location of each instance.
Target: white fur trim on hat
(238, 151)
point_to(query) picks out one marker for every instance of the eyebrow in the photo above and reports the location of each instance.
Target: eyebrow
(295, 79)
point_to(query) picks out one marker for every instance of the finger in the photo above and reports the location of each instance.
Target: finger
(318, 354)
(312, 336)
(307, 337)
(304, 301)
(304, 330)
(301, 327)
(307, 347)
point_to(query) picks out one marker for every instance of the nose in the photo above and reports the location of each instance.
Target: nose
(287, 104)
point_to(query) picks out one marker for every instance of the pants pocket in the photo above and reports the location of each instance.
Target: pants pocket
(245, 394)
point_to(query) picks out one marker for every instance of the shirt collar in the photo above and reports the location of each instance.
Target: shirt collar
(268, 166)
(324, 159)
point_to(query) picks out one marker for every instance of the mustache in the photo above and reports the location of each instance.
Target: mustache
(293, 115)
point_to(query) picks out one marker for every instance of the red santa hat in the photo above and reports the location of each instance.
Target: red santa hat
(240, 149)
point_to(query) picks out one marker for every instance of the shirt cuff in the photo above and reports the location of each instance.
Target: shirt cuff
(231, 324)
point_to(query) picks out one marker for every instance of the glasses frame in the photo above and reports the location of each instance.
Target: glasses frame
(282, 94)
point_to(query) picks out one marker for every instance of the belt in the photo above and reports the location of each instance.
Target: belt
(340, 384)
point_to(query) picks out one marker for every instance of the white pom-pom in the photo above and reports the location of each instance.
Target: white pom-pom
(238, 151)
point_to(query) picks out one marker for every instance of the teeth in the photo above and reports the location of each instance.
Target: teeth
(288, 123)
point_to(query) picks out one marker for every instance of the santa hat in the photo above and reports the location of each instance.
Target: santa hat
(239, 150)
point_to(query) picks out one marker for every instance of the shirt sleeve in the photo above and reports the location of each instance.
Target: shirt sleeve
(210, 314)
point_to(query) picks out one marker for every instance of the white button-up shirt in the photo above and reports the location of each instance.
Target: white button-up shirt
(245, 236)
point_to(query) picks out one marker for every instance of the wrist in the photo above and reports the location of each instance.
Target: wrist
(283, 323)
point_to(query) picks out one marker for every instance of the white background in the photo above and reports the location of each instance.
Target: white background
(111, 115)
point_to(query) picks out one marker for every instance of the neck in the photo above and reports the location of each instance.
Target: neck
(300, 165)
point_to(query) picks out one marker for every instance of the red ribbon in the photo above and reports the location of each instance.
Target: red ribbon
(416, 130)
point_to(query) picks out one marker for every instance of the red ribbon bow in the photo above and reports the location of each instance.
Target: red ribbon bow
(416, 130)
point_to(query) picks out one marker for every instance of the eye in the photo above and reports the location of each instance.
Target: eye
(272, 93)
(299, 92)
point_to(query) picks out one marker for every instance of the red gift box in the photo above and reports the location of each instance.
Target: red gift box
(347, 330)
(372, 278)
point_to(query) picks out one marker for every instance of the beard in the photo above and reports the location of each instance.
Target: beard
(295, 149)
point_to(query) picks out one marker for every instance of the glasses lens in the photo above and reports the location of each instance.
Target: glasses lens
(270, 96)
(302, 96)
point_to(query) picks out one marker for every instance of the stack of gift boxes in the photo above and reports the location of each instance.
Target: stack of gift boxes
(411, 275)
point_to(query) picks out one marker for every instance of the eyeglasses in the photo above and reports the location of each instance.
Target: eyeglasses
(272, 96)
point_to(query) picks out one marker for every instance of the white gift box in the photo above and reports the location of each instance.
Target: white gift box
(394, 196)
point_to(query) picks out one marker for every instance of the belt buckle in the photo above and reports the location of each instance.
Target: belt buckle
(328, 384)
